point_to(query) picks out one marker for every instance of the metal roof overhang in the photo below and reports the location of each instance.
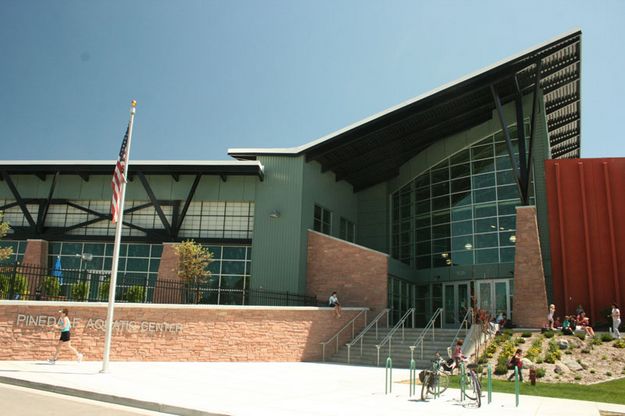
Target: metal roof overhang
(41, 168)
(372, 151)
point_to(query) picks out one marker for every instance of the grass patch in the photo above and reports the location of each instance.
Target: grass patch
(607, 392)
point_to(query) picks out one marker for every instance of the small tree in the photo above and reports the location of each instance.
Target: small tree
(193, 262)
(5, 252)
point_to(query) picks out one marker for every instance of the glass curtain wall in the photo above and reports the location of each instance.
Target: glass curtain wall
(461, 211)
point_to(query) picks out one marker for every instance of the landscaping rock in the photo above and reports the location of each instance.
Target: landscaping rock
(572, 364)
(527, 363)
(560, 369)
(563, 344)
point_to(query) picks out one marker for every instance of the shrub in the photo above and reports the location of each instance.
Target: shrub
(578, 378)
(592, 371)
(134, 294)
(103, 291)
(581, 336)
(535, 350)
(553, 352)
(20, 286)
(539, 360)
(540, 372)
(605, 337)
(586, 351)
(549, 334)
(608, 373)
(519, 341)
(619, 343)
(596, 341)
(568, 352)
(51, 286)
(80, 291)
(526, 334)
(604, 357)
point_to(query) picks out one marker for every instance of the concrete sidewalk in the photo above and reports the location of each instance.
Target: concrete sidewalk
(275, 389)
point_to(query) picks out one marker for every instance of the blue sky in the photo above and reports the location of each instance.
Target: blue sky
(213, 75)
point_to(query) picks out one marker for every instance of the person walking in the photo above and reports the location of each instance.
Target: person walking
(616, 321)
(65, 326)
(334, 303)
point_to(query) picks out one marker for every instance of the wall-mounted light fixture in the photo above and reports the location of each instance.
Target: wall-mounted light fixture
(274, 214)
(468, 246)
(513, 238)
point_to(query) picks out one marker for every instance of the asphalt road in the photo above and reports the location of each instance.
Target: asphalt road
(20, 401)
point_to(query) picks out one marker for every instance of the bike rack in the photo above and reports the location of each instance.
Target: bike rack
(490, 383)
(463, 381)
(517, 387)
(388, 381)
(413, 378)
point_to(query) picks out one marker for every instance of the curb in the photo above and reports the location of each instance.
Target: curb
(108, 398)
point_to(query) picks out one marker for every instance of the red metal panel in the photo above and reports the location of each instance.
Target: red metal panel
(586, 212)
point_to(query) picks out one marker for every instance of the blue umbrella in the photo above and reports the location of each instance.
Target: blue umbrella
(56, 271)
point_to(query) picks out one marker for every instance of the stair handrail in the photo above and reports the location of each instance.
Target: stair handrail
(388, 338)
(465, 321)
(360, 336)
(428, 327)
(336, 336)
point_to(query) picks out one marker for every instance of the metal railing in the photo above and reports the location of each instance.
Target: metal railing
(465, 321)
(430, 326)
(31, 282)
(359, 337)
(389, 337)
(336, 336)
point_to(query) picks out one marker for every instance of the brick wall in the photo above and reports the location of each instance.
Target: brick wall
(207, 332)
(167, 270)
(358, 274)
(36, 253)
(530, 295)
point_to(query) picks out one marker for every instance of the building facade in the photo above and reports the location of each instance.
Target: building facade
(432, 184)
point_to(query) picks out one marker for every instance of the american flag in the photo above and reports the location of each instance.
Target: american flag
(119, 179)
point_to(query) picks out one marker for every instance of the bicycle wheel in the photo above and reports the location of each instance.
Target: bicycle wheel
(425, 387)
(443, 382)
(478, 389)
(469, 388)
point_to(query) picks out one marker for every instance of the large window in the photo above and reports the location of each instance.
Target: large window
(347, 230)
(230, 269)
(323, 220)
(461, 211)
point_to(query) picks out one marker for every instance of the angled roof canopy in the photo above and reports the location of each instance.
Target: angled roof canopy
(372, 150)
(175, 168)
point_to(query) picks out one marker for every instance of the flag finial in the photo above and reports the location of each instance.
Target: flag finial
(133, 103)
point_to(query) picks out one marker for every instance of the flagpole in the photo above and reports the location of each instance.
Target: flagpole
(118, 238)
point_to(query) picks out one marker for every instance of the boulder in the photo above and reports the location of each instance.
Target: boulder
(572, 364)
(563, 344)
(527, 363)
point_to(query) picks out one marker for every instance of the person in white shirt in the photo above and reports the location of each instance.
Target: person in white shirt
(616, 321)
(334, 303)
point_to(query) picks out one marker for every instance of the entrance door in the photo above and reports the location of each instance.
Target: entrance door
(494, 296)
(456, 301)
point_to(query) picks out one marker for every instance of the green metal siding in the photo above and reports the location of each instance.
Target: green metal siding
(293, 187)
(277, 242)
(373, 218)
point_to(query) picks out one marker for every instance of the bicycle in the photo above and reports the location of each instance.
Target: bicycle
(473, 388)
(435, 381)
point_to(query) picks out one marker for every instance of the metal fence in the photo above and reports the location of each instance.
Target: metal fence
(28, 282)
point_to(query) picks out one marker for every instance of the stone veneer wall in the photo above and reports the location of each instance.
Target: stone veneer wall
(358, 274)
(529, 307)
(207, 332)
